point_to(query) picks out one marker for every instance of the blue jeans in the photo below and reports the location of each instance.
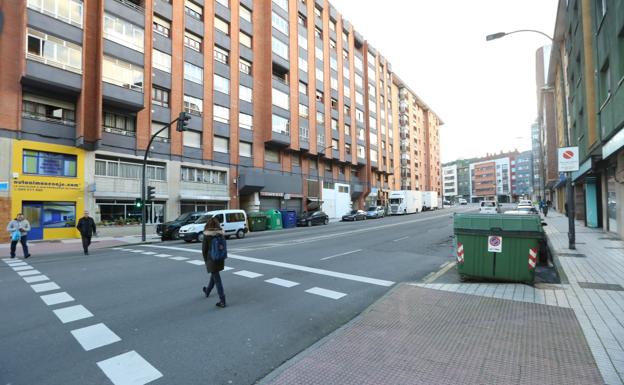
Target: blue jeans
(215, 278)
(23, 241)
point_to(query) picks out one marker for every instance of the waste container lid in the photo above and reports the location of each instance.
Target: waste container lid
(500, 223)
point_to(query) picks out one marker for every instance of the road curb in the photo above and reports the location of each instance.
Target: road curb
(556, 262)
(431, 277)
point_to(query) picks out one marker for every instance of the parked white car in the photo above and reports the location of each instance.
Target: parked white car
(233, 222)
(489, 207)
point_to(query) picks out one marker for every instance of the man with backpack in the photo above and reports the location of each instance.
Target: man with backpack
(19, 228)
(214, 251)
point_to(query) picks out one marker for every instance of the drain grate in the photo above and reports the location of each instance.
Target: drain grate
(572, 255)
(601, 286)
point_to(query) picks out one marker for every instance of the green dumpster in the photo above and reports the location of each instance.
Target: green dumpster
(257, 221)
(274, 219)
(497, 246)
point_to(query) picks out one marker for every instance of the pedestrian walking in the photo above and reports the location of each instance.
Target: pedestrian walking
(213, 230)
(19, 228)
(545, 210)
(86, 226)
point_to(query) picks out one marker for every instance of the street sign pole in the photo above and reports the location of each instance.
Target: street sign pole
(568, 161)
(570, 213)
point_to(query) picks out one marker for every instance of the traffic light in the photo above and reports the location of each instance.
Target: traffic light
(182, 123)
(138, 203)
(151, 193)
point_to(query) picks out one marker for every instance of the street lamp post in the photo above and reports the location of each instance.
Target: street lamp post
(568, 141)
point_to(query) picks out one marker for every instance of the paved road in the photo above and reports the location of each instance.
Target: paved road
(138, 313)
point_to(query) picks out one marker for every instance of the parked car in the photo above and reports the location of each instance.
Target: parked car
(376, 212)
(169, 230)
(313, 218)
(522, 211)
(354, 215)
(233, 222)
(462, 201)
(489, 207)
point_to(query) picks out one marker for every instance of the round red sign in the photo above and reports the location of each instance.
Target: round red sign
(494, 241)
(568, 154)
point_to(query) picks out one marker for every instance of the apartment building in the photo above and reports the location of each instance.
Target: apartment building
(291, 108)
(522, 177)
(491, 178)
(449, 174)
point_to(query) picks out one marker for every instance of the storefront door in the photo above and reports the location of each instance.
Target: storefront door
(32, 212)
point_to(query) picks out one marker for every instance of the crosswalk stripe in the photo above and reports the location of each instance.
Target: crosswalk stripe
(325, 293)
(248, 274)
(282, 282)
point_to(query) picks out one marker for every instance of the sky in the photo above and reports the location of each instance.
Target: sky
(483, 91)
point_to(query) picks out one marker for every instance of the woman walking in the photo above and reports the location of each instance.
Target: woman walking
(212, 230)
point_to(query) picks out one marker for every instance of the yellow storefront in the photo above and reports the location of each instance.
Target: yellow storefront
(47, 186)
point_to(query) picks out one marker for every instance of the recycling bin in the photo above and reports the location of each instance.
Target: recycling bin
(274, 219)
(289, 218)
(497, 246)
(257, 221)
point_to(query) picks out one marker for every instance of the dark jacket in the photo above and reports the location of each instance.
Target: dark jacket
(211, 266)
(86, 226)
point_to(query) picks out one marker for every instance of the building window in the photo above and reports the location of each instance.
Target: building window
(161, 61)
(222, 25)
(320, 117)
(244, 149)
(335, 144)
(359, 115)
(282, 4)
(245, 121)
(302, 20)
(192, 41)
(221, 55)
(280, 99)
(160, 97)
(318, 52)
(245, 13)
(244, 66)
(244, 39)
(129, 170)
(221, 84)
(220, 144)
(192, 139)
(318, 12)
(54, 51)
(48, 163)
(347, 111)
(319, 96)
(193, 73)
(347, 130)
(161, 26)
(193, 106)
(123, 74)
(304, 111)
(328, 167)
(303, 64)
(68, 11)
(163, 136)
(119, 124)
(198, 175)
(605, 83)
(303, 88)
(280, 125)
(304, 133)
(245, 93)
(347, 149)
(302, 41)
(279, 23)
(271, 155)
(225, 3)
(334, 124)
(123, 32)
(49, 110)
(193, 10)
(221, 114)
(279, 48)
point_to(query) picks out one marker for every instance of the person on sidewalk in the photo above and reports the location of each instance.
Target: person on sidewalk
(545, 210)
(211, 230)
(86, 226)
(19, 228)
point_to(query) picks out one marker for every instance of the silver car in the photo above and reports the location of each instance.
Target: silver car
(375, 212)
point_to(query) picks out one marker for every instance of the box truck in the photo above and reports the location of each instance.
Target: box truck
(405, 202)
(430, 200)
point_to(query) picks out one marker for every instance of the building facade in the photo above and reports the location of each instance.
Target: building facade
(291, 108)
(449, 175)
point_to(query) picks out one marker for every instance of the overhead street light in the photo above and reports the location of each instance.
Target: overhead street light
(569, 191)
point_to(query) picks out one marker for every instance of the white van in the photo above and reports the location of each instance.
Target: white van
(233, 222)
(489, 207)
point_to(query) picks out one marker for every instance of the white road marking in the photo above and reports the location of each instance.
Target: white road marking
(329, 273)
(226, 268)
(118, 248)
(48, 286)
(178, 258)
(129, 369)
(248, 274)
(281, 282)
(20, 268)
(56, 298)
(196, 262)
(136, 251)
(95, 336)
(326, 293)
(149, 253)
(341, 254)
(28, 272)
(7, 260)
(72, 313)
(399, 239)
(18, 264)
(36, 278)
(162, 255)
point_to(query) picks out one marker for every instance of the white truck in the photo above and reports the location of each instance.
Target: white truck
(430, 200)
(405, 202)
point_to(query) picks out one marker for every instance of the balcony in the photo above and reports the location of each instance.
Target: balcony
(130, 10)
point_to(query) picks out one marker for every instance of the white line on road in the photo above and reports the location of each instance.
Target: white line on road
(329, 273)
(148, 253)
(136, 251)
(28, 272)
(196, 262)
(56, 298)
(341, 254)
(20, 268)
(72, 313)
(248, 274)
(18, 264)
(48, 286)
(95, 336)
(399, 239)
(129, 368)
(326, 293)
(162, 255)
(281, 282)
(225, 268)
(178, 258)
(36, 278)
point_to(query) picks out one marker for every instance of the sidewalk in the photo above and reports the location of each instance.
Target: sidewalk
(477, 333)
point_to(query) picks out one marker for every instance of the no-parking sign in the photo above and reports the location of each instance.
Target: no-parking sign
(495, 244)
